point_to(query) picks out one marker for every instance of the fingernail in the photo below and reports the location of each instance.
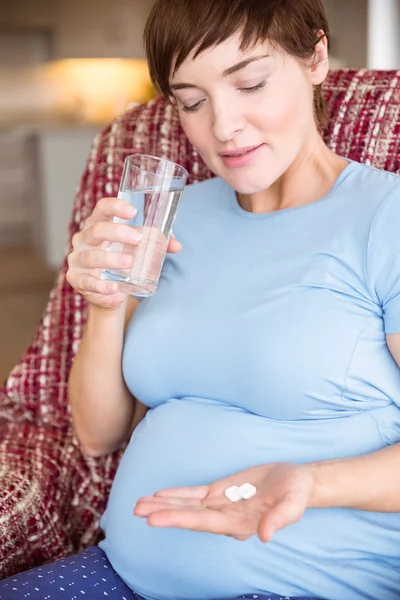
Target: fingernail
(125, 260)
(134, 236)
(131, 211)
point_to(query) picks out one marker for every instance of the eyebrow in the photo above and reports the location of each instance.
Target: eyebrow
(234, 69)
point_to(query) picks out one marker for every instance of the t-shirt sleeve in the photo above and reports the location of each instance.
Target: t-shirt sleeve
(383, 259)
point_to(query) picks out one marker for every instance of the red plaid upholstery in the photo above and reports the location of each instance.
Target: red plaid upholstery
(51, 497)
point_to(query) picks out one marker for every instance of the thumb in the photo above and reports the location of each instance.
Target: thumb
(283, 513)
(174, 246)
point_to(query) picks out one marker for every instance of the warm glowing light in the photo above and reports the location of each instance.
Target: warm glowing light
(96, 90)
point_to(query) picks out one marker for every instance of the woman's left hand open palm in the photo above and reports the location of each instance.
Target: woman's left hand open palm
(284, 491)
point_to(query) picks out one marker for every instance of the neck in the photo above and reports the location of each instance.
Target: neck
(310, 177)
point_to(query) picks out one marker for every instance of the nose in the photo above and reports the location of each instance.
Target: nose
(227, 121)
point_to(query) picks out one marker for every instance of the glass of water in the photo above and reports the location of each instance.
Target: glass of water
(154, 187)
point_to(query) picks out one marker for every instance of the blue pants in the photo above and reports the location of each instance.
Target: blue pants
(85, 576)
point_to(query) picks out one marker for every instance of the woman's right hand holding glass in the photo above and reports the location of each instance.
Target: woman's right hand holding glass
(90, 256)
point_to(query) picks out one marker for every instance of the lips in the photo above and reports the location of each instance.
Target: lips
(238, 152)
(241, 157)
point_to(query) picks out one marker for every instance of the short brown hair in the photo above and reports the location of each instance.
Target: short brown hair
(176, 28)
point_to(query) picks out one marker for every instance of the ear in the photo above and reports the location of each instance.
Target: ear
(320, 65)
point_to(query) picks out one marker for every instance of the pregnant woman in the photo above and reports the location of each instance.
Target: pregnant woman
(270, 352)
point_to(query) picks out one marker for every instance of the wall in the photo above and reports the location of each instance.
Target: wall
(113, 28)
(101, 29)
(348, 23)
(83, 28)
(24, 48)
(27, 13)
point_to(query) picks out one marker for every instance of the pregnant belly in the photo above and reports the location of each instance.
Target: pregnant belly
(192, 442)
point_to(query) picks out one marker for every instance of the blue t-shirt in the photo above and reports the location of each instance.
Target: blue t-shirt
(265, 342)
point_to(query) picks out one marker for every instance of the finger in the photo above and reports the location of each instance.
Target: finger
(76, 240)
(199, 519)
(145, 506)
(90, 283)
(198, 491)
(214, 490)
(100, 259)
(107, 231)
(174, 246)
(185, 502)
(240, 538)
(217, 502)
(107, 208)
(284, 513)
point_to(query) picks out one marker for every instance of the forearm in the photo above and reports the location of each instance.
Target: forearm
(101, 405)
(369, 482)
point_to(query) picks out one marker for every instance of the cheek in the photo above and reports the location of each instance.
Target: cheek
(285, 110)
(195, 131)
(283, 118)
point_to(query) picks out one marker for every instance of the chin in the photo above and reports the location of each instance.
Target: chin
(247, 185)
(246, 180)
(248, 189)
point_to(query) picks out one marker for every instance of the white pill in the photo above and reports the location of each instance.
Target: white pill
(233, 494)
(247, 491)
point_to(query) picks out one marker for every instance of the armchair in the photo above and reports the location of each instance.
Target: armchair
(51, 495)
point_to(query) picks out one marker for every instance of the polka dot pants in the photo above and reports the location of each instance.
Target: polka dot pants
(85, 576)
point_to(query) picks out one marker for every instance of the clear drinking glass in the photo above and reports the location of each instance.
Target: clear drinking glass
(154, 187)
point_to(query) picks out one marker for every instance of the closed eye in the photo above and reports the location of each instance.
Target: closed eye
(246, 90)
(254, 88)
(192, 108)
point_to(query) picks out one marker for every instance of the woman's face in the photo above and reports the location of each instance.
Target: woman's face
(258, 104)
